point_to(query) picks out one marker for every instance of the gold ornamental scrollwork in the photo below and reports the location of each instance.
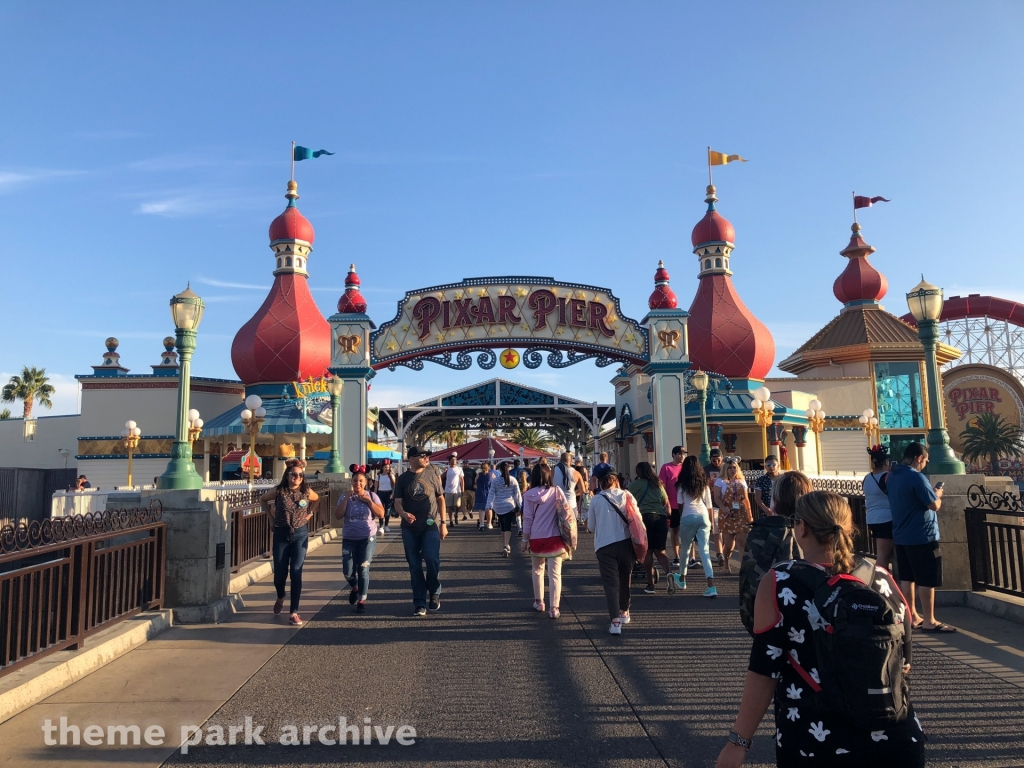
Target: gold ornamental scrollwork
(669, 339)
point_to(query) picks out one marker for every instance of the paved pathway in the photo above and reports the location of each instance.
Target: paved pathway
(487, 680)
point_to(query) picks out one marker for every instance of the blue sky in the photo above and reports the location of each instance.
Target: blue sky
(144, 145)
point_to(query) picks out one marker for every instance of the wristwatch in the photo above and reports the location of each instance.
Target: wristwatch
(735, 738)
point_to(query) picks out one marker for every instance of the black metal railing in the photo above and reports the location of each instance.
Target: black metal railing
(995, 546)
(252, 529)
(64, 579)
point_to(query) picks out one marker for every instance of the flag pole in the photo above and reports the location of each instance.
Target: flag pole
(710, 181)
(855, 206)
(293, 161)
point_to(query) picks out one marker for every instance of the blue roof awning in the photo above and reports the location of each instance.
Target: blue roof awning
(284, 417)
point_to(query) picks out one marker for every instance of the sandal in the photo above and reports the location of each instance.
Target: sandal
(917, 624)
(940, 628)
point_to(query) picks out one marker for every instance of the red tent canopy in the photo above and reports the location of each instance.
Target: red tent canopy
(478, 450)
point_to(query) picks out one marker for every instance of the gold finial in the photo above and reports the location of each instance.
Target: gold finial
(855, 228)
(293, 191)
(711, 194)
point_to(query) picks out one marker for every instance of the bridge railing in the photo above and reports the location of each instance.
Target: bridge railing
(252, 529)
(995, 540)
(65, 579)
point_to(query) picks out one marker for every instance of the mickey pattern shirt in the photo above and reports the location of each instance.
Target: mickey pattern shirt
(806, 733)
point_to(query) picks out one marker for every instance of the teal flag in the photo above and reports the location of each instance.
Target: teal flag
(304, 153)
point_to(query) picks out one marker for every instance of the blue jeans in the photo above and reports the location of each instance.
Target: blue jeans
(355, 562)
(289, 555)
(423, 547)
(689, 527)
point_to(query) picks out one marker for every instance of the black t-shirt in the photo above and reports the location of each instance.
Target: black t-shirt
(418, 492)
(470, 476)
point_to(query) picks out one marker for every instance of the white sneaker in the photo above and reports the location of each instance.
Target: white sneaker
(490, 527)
(615, 628)
(387, 529)
(624, 617)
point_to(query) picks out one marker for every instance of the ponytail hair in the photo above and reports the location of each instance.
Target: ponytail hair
(829, 519)
(504, 473)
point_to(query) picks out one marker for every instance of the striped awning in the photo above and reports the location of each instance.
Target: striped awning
(284, 417)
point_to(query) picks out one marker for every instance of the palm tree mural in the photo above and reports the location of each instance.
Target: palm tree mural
(991, 436)
(537, 439)
(31, 387)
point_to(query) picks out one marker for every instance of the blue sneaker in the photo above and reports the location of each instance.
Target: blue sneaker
(680, 583)
(710, 592)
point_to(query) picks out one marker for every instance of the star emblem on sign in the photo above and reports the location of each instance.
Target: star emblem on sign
(509, 358)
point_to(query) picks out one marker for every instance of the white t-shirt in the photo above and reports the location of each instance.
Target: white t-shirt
(454, 480)
(384, 482)
(723, 485)
(876, 500)
(688, 505)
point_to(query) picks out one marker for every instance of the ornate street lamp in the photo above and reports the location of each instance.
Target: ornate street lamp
(925, 303)
(816, 421)
(762, 407)
(195, 427)
(130, 433)
(869, 423)
(699, 381)
(253, 416)
(187, 312)
(335, 386)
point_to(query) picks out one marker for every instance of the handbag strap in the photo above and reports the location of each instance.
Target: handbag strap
(617, 510)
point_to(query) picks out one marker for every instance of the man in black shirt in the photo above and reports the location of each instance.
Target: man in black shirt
(419, 502)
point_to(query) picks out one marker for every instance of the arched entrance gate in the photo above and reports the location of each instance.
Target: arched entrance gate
(564, 323)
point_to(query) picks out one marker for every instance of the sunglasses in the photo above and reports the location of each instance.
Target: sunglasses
(295, 474)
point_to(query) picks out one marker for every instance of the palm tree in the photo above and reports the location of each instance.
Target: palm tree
(453, 437)
(990, 435)
(5, 414)
(31, 386)
(537, 439)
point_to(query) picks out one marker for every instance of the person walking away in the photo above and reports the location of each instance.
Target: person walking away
(582, 489)
(915, 532)
(542, 538)
(734, 517)
(419, 501)
(469, 495)
(454, 485)
(483, 486)
(789, 664)
(695, 513)
(522, 476)
(613, 546)
(876, 504)
(504, 499)
(385, 488)
(361, 510)
(652, 499)
(764, 485)
(291, 499)
(568, 479)
(669, 476)
(714, 470)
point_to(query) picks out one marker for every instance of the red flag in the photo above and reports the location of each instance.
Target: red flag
(860, 201)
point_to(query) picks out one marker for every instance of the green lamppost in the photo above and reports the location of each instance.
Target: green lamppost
(925, 303)
(334, 386)
(187, 311)
(699, 381)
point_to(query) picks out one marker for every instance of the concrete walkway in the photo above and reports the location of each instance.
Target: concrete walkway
(487, 680)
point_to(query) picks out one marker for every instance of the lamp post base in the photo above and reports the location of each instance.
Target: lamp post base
(941, 459)
(333, 466)
(181, 472)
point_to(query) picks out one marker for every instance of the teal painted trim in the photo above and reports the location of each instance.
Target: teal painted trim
(353, 373)
(141, 376)
(658, 314)
(862, 303)
(354, 317)
(125, 456)
(141, 437)
(665, 367)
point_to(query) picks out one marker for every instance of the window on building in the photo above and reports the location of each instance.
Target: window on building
(898, 389)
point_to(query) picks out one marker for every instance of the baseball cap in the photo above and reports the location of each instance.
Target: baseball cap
(604, 471)
(715, 452)
(417, 450)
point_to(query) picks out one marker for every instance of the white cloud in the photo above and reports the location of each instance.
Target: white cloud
(194, 202)
(65, 399)
(11, 180)
(224, 284)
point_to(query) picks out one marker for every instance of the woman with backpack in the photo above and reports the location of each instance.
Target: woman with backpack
(695, 511)
(876, 503)
(872, 725)
(608, 521)
(734, 518)
(504, 499)
(541, 536)
(652, 499)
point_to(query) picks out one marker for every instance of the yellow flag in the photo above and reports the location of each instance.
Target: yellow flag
(720, 158)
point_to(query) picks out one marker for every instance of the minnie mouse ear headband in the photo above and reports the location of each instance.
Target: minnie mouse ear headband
(733, 459)
(295, 463)
(354, 468)
(878, 451)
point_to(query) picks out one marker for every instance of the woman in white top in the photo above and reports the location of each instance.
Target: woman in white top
(876, 502)
(503, 499)
(734, 518)
(695, 509)
(612, 544)
(385, 488)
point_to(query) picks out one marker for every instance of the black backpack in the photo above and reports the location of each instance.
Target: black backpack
(770, 541)
(862, 641)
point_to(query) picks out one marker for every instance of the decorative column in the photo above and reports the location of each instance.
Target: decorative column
(187, 311)
(350, 363)
(334, 465)
(925, 303)
(800, 442)
(729, 441)
(699, 380)
(775, 439)
(715, 434)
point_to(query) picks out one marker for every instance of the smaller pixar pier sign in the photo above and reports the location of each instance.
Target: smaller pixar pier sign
(485, 313)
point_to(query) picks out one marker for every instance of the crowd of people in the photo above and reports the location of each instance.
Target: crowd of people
(664, 523)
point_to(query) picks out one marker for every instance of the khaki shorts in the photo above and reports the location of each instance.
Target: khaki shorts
(453, 500)
(468, 499)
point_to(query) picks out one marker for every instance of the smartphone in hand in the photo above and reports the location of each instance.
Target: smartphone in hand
(938, 486)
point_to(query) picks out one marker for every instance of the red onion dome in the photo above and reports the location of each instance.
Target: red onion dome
(725, 336)
(859, 281)
(352, 301)
(713, 228)
(663, 297)
(291, 225)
